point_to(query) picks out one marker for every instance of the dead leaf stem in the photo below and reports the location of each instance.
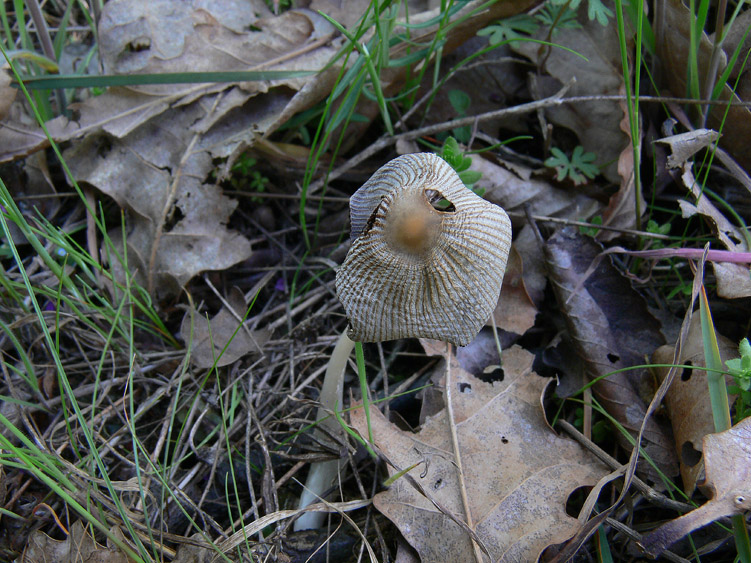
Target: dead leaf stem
(457, 455)
(171, 201)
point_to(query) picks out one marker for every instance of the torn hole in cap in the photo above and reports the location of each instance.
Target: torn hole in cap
(439, 202)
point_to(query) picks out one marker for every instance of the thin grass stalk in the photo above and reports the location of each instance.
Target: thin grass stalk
(718, 397)
(714, 60)
(364, 387)
(632, 97)
(65, 382)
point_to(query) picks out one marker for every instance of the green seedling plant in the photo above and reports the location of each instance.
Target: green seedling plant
(510, 30)
(555, 14)
(580, 168)
(452, 153)
(596, 10)
(592, 231)
(557, 17)
(740, 369)
(246, 178)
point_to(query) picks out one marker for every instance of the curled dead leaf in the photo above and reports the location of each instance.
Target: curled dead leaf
(612, 331)
(727, 460)
(78, 546)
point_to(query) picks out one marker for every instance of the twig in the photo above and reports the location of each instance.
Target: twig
(552, 101)
(649, 493)
(636, 536)
(385, 141)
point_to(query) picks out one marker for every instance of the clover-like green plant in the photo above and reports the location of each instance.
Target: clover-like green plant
(578, 168)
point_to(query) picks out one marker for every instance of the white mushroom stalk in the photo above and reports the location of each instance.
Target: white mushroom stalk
(427, 259)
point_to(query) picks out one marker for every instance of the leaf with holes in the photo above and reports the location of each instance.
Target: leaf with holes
(517, 472)
(727, 460)
(687, 400)
(153, 148)
(612, 331)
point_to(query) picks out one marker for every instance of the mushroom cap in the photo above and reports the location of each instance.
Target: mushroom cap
(427, 257)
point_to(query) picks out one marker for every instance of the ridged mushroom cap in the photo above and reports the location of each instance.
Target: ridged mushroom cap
(427, 257)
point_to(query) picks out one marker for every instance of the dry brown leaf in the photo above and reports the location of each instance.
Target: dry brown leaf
(515, 311)
(178, 223)
(513, 188)
(612, 330)
(688, 401)
(727, 458)
(194, 552)
(153, 153)
(286, 42)
(222, 339)
(518, 473)
(79, 546)
(154, 37)
(346, 12)
(596, 123)
(733, 280)
(685, 145)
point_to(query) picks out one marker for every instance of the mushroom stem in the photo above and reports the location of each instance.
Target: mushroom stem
(322, 474)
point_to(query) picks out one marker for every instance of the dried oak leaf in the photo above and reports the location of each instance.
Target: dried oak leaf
(727, 461)
(78, 546)
(612, 330)
(7, 93)
(688, 401)
(178, 224)
(518, 473)
(206, 42)
(223, 339)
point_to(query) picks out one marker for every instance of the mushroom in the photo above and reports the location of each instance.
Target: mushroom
(427, 260)
(427, 256)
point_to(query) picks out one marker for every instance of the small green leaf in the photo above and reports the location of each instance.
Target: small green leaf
(460, 101)
(509, 29)
(597, 10)
(453, 154)
(469, 177)
(580, 167)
